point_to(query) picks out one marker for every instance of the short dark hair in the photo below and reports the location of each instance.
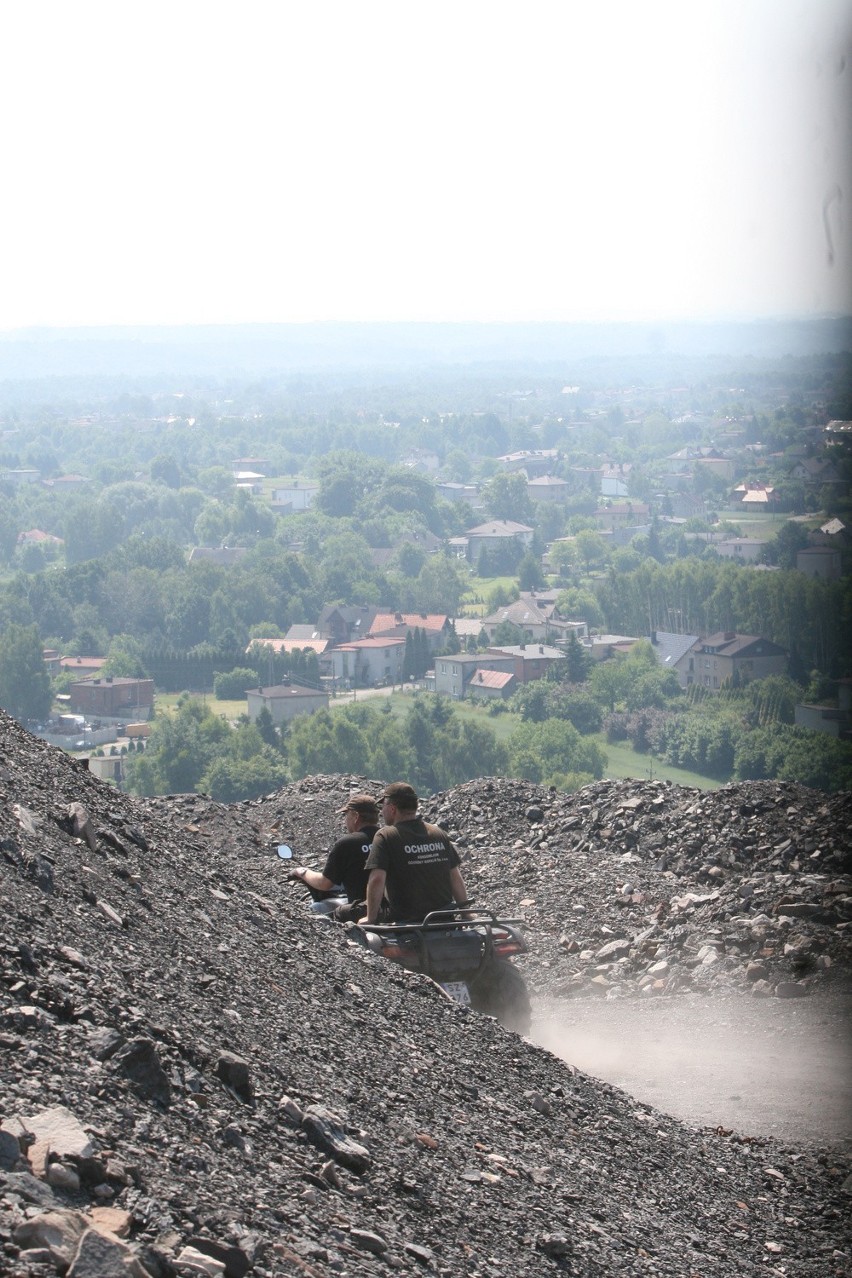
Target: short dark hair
(401, 795)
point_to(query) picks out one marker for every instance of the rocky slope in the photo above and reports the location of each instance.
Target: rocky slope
(196, 1078)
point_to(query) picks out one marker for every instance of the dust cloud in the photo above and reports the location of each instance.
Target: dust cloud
(762, 1067)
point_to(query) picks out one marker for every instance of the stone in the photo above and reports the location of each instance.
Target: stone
(11, 1156)
(111, 1220)
(61, 1177)
(235, 1074)
(61, 1131)
(368, 1241)
(325, 1130)
(190, 1260)
(102, 1256)
(139, 1061)
(59, 1230)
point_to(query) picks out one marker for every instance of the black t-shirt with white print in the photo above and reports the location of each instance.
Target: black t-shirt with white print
(346, 862)
(417, 858)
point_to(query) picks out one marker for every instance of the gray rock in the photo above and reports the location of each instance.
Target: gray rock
(99, 1256)
(325, 1130)
(235, 1074)
(139, 1061)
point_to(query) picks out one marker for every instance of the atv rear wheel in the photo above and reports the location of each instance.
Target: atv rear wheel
(499, 990)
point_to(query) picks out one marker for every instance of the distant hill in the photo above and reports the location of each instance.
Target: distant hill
(262, 349)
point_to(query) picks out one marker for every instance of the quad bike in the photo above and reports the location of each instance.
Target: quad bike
(465, 952)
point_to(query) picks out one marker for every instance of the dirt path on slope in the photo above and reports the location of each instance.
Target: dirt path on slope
(764, 1067)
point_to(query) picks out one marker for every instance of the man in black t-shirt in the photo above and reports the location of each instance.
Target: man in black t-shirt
(345, 864)
(412, 862)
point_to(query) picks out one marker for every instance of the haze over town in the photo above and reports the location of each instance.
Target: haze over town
(194, 163)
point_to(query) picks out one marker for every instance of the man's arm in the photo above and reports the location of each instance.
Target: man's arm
(457, 885)
(313, 879)
(375, 894)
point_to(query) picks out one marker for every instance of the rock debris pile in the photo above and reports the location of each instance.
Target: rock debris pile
(643, 886)
(195, 1078)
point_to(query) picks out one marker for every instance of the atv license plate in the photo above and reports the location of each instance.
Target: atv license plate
(457, 990)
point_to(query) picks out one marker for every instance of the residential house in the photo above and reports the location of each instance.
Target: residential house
(367, 662)
(342, 623)
(82, 665)
(248, 463)
(51, 660)
(491, 685)
(614, 477)
(36, 537)
(623, 514)
(532, 660)
(526, 614)
(17, 478)
(295, 497)
(437, 627)
(602, 647)
(685, 505)
(458, 492)
(536, 461)
(494, 534)
(285, 701)
(727, 655)
(832, 533)
(454, 673)
(251, 481)
(833, 718)
(717, 464)
(825, 562)
(423, 460)
(816, 471)
(113, 697)
(742, 549)
(756, 497)
(288, 644)
(467, 628)
(224, 556)
(548, 488)
(672, 651)
(66, 483)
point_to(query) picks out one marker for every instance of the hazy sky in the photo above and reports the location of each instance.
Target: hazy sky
(265, 160)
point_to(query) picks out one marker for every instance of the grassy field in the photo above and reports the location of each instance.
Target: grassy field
(166, 703)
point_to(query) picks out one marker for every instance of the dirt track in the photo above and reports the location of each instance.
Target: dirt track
(764, 1067)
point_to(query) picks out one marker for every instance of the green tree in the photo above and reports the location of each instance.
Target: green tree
(230, 780)
(606, 682)
(165, 470)
(466, 751)
(232, 685)
(544, 751)
(577, 659)
(506, 496)
(590, 547)
(563, 556)
(24, 682)
(181, 748)
(530, 575)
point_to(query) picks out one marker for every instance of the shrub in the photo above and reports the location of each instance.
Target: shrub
(231, 685)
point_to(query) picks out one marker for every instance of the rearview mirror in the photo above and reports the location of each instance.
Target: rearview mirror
(285, 851)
